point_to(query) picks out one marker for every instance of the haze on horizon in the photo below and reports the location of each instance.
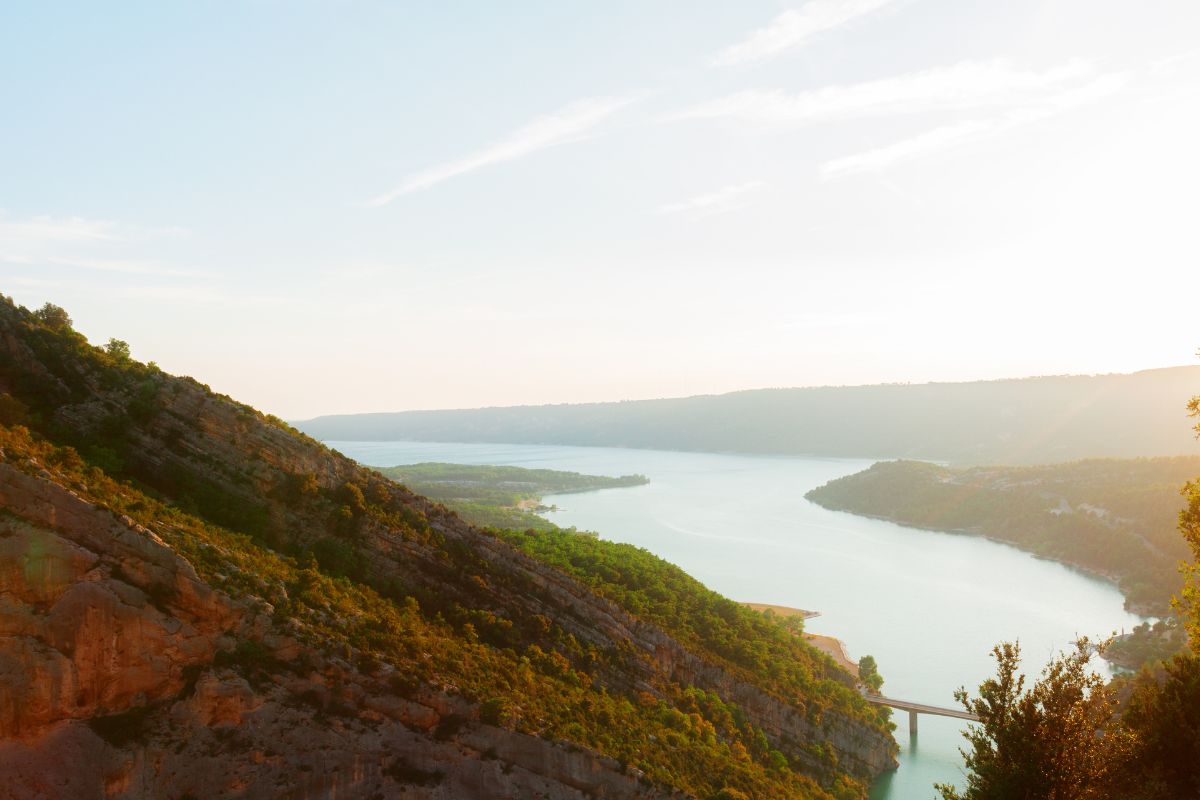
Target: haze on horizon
(359, 206)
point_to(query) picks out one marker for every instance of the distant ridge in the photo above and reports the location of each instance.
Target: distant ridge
(1014, 421)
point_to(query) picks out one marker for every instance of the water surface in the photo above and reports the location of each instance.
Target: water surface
(929, 606)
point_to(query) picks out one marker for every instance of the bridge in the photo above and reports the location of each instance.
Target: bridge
(914, 709)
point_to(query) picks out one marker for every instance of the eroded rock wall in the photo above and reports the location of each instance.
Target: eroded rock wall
(107, 688)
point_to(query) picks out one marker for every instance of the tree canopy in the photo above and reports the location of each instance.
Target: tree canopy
(1072, 736)
(53, 316)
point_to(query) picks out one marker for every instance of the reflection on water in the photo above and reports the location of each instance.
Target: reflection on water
(929, 606)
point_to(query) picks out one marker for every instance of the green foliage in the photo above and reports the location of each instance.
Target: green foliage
(53, 317)
(494, 711)
(12, 410)
(252, 660)
(72, 372)
(687, 739)
(484, 515)
(209, 499)
(1148, 644)
(1189, 525)
(358, 568)
(104, 458)
(500, 483)
(1114, 517)
(741, 639)
(339, 558)
(1163, 715)
(1053, 740)
(117, 350)
(728, 793)
(868, 673)
(1072, 736)
(499, 496)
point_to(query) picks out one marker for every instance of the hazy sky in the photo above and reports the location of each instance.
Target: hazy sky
(331, 206)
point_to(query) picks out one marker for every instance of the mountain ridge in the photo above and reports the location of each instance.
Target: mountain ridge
(1018, 420)
(365, 640)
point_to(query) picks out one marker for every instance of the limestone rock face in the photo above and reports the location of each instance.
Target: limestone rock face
(220, 700)
(100, 623)
(277, 752)
(113, 650)
(98, 615)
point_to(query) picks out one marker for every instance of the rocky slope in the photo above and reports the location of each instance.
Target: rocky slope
(246, 613)
(102, 622)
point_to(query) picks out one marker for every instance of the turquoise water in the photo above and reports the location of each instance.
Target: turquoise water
(929, 606)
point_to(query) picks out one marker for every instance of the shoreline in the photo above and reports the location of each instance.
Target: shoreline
(834, 648)
(1142, 610)
(781, 611)
(829, 645)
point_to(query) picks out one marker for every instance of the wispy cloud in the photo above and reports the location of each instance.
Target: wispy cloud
(73, 242)
(181, 295)
(570, 123)
(724, 199)
(794, 27)
(42, 230)
(1176, 64)
(45, 229)
(940, 139)
(966, 85)
(126, 266)
(206, 295)
(959, 134)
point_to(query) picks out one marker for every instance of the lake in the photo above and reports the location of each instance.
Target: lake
(929, 606)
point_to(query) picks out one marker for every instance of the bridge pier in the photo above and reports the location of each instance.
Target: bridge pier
(912, 723)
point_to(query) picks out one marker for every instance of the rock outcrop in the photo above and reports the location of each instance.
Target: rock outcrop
(96, 613)
(120, 657)
(107, 642)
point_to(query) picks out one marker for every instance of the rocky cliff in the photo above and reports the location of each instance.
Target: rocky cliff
(101, 623)
(246, 613)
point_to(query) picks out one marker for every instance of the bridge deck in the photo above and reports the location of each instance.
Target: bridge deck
(921, 708)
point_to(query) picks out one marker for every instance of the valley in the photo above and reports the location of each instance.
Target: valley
(927, 605)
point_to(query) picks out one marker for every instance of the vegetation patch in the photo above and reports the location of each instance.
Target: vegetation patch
(1115, 517)
(499, 496)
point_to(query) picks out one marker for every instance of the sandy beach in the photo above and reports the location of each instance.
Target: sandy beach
(834, 648)
(783, 611)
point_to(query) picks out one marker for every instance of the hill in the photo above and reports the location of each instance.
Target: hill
(198, 601)
(500, 496)
(1115, 517)
(1027, 421)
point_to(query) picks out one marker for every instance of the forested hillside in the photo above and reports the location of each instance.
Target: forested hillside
(1068, 733)
(1117, 517)
(1029, 421)
(500, 496)
(202, 602)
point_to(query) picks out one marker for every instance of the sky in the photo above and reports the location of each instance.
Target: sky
(333, 206)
